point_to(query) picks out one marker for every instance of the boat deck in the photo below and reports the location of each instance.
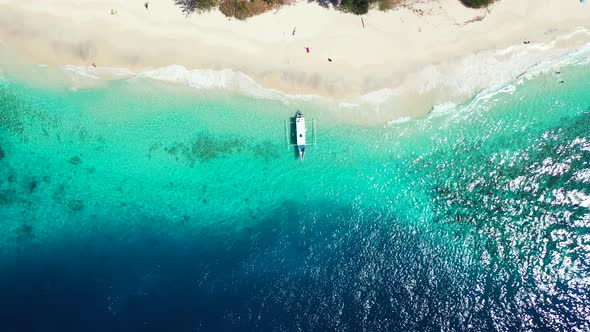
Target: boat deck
(300, 131)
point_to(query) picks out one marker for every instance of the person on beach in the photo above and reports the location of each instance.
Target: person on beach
(146, 5)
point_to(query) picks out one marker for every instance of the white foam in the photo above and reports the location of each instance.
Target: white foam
(401, 120)
(200, 79)
(225, 79)
(490, 70)
(348, 105)
(377, 98)
(444, 107)
(80, 71)
(373, 100)
(508, 89)
(98, 72)
(482, 75)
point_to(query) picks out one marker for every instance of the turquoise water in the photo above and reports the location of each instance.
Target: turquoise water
(141, 205)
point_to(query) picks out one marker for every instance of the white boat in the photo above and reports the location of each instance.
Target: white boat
(296, 128)
(300, 132)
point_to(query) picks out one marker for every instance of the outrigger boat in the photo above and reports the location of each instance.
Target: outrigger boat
(300, 132)
(296, 127)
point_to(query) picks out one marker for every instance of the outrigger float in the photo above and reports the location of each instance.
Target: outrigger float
(300, 133)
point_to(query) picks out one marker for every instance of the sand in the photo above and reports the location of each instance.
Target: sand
(429, 52)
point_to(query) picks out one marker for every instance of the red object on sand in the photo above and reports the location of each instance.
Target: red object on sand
(307, 49)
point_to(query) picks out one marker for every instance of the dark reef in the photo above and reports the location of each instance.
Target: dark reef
(76, 205)
(75, 160)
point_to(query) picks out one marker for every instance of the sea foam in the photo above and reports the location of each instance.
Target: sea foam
(481, 75)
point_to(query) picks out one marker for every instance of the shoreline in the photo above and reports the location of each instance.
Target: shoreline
(365, 68)
(372, 109)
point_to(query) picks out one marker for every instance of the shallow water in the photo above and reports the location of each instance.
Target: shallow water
(137, 205)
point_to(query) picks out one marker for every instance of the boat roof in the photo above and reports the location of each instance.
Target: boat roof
(300, 130)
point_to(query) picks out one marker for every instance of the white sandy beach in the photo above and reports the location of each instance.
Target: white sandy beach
(433, 52)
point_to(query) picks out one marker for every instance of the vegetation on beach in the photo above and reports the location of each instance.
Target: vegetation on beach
(361, 7)
(198, 6)
(477, 3)
(242, 9)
